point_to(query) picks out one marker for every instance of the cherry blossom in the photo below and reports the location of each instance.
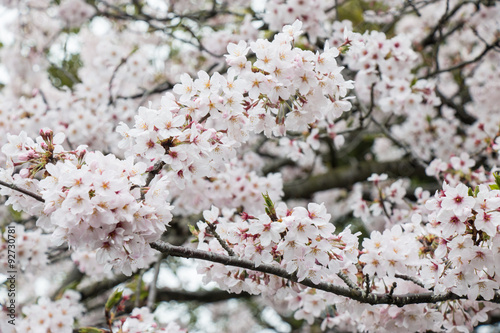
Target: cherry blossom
(344, 171)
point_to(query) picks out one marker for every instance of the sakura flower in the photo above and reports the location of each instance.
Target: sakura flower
(462, 163)
(185, 88)
(211, 215)
(376, 179)
(269, 231)
(487, 221)
(452, 223)
(457, 199)
(484, 288)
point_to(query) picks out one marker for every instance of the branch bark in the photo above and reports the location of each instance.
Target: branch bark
(354, 294)
(212, 296)
(346, 176)
(28, 193)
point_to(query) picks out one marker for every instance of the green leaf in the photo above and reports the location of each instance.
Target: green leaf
(494, 187)
(65, 74)
(267, 199)
(114, 299)
(270, 210)
(497, 178)
(476, 191)
(90, 330)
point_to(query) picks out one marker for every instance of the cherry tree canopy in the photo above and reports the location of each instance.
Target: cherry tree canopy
(323, 165)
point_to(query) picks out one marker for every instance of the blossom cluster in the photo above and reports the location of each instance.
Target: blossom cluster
(448, 245)
(299, 240)
(438, 106)
(31, 248)
(91, 201)
(94, 206)
(387, 205)
(285, 89)
(467, 226)
(52, 316)
(459, 169)
(141, 320)
(311, 13)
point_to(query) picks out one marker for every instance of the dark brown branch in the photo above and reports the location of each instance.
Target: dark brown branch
(348, 281)
(345, 176)
(23, 191)
(222, 242)
(460, 112)
(100, 287)
(360, 296)
(410, 278)
(165, 295)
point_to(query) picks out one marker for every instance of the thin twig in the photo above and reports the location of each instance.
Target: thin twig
(110, 85)
(410, 278)
(465, 63)
(347, 281)
(367, 283)
(222, 242)
(153, 286)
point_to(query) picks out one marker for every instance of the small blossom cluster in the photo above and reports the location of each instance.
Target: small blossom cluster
(299, 87)
(31, 248)
(52, 316)
(430, 134)
(311, 13)
(299, 240)
(390, 252)
(465, 253)
(98, 205)
(141, 320)
(91, 201)
(33, 156)
(188, 148)
(386, 65)
(387, 206)
(459, 170)
(278, 92)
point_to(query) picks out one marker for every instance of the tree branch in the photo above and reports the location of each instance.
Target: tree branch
(345, 176)
(354, 294)
(465, 63)
(153, 286)
(18, 189)
(211, 296)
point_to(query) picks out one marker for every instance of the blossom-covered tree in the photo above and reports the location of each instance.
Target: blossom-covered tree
(328, 164)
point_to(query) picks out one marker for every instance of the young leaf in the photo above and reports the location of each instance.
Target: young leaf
(114, 299)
